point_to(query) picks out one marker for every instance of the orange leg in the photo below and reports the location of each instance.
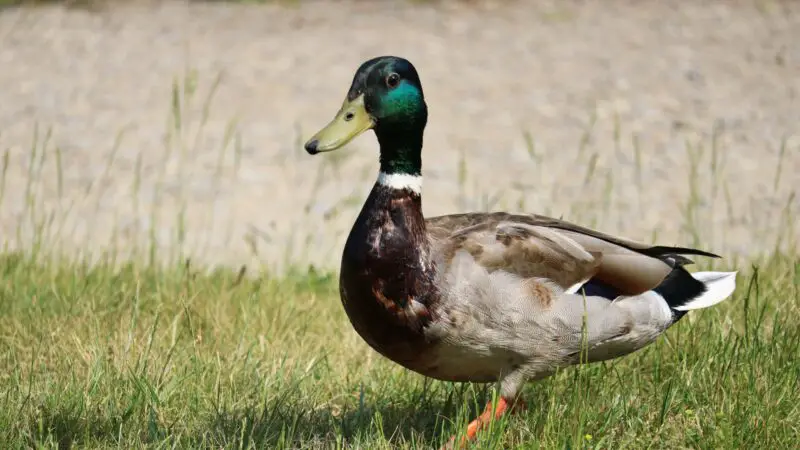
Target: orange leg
(504, 405)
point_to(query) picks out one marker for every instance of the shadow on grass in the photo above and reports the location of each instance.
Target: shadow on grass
(423, 416)
(65, 429)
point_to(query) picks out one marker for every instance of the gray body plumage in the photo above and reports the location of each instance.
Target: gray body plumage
(510, 306)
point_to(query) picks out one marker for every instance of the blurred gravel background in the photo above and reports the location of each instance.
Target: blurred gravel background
(137, 127)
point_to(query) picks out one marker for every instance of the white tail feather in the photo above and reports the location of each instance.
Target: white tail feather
(719, 286)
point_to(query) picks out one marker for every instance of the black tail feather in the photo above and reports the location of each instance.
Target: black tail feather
(678, 288)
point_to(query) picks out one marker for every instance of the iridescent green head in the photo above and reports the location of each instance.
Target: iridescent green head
(385, 96)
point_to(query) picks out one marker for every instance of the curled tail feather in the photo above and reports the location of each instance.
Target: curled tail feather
(684, 291)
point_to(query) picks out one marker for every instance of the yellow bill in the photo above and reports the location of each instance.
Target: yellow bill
(351, 120)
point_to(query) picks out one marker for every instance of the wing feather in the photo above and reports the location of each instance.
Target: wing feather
(533, 246)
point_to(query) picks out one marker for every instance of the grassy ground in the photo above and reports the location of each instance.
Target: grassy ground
(134, 356)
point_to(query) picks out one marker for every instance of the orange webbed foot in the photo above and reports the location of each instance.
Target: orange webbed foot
(504, 406)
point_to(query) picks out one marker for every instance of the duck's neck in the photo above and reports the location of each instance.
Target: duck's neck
(398, 189)
(401, 152)
(400, 175)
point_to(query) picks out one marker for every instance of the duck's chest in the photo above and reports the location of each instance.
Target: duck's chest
(386, 281)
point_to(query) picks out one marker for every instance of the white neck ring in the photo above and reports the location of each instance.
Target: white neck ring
(401, 181)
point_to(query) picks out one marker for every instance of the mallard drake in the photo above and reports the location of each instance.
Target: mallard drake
(489, 297)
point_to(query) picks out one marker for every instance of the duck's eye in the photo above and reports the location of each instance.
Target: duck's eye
(392, 80)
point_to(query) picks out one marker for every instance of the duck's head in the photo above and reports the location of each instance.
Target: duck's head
(385, 96)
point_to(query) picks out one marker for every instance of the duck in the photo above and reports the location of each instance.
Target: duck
(489, 297)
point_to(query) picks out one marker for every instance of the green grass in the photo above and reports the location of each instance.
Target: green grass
(97, 357)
